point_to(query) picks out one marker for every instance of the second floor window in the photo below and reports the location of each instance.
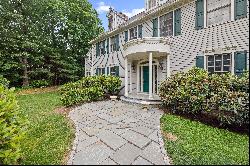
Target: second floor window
(133, 33)
(102, 47)
(113, 44)
(166, 25)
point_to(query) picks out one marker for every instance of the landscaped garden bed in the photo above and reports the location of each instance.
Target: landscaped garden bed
(202, 110)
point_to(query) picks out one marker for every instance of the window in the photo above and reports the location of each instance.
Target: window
(102, 47)
(100, 71)
(133, 33)
(221, 63)
(114, 71)
(88, 74)
(151, 3)
(166, 25)
(113, 44)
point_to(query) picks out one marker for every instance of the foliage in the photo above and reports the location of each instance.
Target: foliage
(224, 96)
(39, 83)
(45, 39)
(11, 127)
(199, 144)
(4, 81)
(89, 89)
(113, 84)
(49, 133)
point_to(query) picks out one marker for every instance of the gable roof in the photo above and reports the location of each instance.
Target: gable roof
(142, 17)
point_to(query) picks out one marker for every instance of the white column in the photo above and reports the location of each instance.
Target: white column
(150, 75)
(173, 22)
(232, 10)
(205, 13)
(138, 78)
(126, 76)
(168, 65)
(232, 62)
(130, 79)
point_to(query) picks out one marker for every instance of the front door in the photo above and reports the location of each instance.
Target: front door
(145, 79)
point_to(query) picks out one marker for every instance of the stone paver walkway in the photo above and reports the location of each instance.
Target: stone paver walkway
(117, 133)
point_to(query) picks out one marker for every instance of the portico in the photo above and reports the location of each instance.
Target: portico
(146, 65)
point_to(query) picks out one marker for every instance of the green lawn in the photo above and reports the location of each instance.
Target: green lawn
(49, 135)
(199, 144)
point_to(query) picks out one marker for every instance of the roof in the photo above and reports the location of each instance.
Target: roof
(141, 17)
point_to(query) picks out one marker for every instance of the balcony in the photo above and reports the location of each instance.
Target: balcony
(139, 47)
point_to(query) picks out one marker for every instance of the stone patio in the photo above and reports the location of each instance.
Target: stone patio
(117, 133)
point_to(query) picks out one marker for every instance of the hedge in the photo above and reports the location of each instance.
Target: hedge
(196, 92)
(11, 127)
(89, 89)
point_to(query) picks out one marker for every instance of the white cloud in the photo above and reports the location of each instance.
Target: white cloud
(133, 12)
(102, 8)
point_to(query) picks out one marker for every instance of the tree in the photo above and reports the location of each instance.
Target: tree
(45, 39)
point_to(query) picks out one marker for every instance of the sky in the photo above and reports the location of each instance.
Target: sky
(128, 7)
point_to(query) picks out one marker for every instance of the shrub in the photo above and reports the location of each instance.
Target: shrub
(39, 83)
(88, 89)
(112, 84)
(11, 127)
(4, 81)
(196, 92)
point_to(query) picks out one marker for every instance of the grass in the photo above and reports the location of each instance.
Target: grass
(198, 144)
(49, 135)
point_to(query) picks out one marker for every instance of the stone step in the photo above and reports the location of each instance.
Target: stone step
(141, 101)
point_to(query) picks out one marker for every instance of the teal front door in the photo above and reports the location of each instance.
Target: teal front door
(145, 79)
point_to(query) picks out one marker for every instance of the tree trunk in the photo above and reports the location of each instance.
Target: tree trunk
(25, 71)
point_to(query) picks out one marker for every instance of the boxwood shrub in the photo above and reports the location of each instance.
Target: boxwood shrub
(225, 96)
(89, 89)
(11, 127)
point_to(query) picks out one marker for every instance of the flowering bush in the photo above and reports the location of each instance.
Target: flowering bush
(226, 96)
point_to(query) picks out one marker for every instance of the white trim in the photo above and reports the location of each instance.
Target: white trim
(130, 78)
(232, 62)
(168, 65)
(173, 22)
(205, 13)
(232, 10)
(150, 75)
(138, 78)
(159, 27)
(126, 76)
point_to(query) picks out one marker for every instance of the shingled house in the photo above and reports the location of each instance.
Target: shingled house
(171, 36)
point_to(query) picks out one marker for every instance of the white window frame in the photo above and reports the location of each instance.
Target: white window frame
(222, 65)
(135, 36)
(113, 45)
(159, 24)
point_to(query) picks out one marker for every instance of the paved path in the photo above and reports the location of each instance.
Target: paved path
(113, 132)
